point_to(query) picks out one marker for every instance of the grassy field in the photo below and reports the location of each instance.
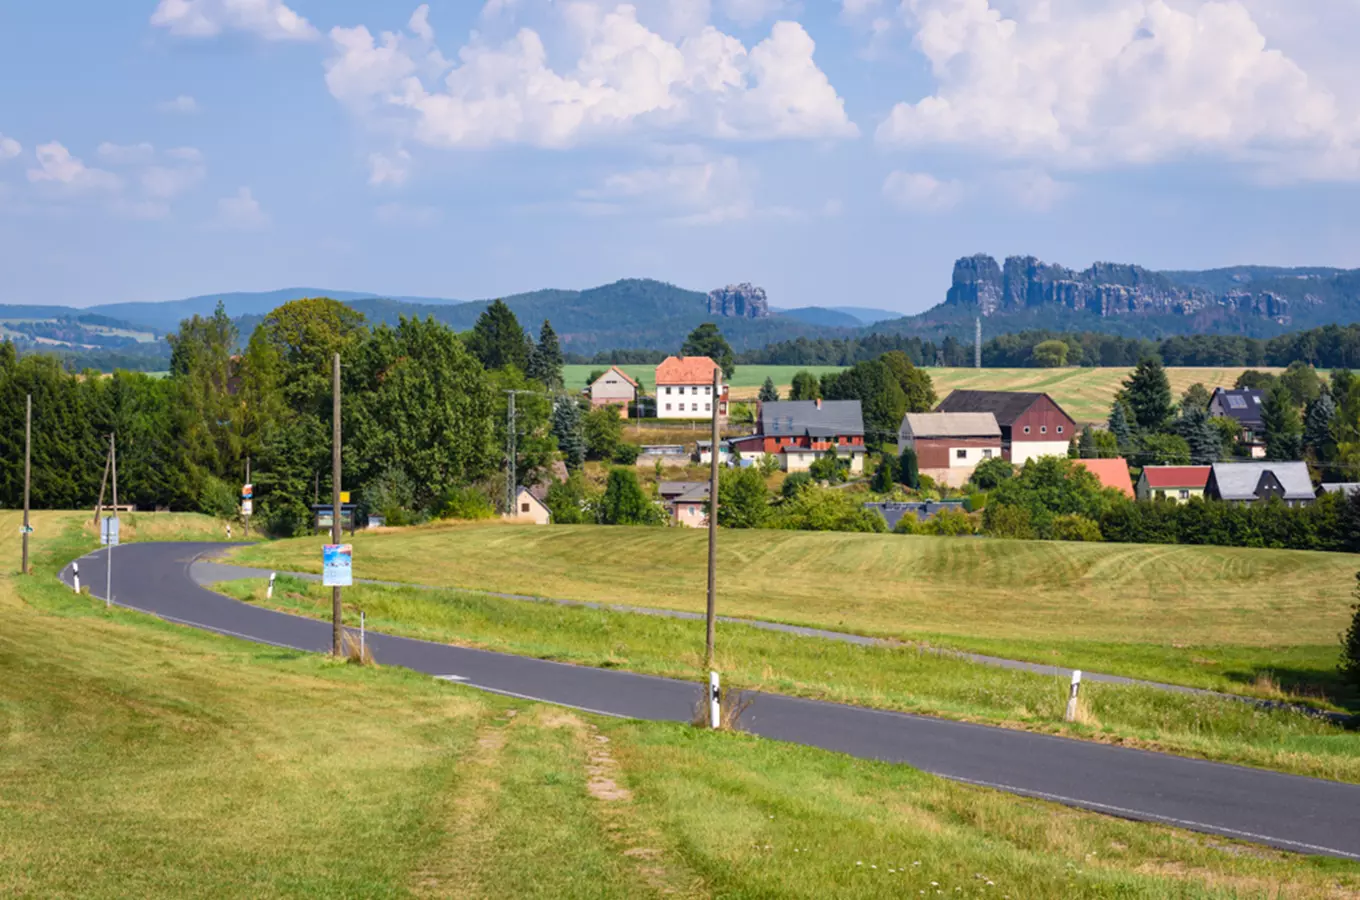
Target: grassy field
(1086, 394)
(903, 679)
(144, 759)
(1216, 617)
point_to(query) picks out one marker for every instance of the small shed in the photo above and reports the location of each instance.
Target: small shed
(529, 510)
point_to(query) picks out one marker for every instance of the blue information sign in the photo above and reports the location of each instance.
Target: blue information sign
(337, 565)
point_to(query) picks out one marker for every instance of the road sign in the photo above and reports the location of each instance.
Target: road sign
(247, 491)
(247, 507)
(344, 496)
(108, 532)
(25, 529)
(337, 565)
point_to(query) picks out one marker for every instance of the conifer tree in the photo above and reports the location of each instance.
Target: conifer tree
(545, 362)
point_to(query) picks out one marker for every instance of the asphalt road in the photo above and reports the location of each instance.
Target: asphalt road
(1286, 811)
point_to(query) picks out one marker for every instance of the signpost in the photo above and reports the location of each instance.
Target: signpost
(108, 537)
(247, 503)
(337, 565)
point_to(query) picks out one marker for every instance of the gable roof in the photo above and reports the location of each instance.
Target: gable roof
(1346, 488)
(673, 489)
(622, 374)
(1239, 481)
(686, 370)
(1113, 473)
(1244, 406)
(813, 418)
(524, 492)
(929, 509)
(1007, 406)
(960, 425)
(1163, 477)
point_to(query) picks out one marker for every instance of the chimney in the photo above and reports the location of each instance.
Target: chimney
(819, 402)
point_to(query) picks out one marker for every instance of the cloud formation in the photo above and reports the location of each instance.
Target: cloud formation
(625, 79)
(182, 105)
(271, 20)
(1099, 83)
(922, 192)
(56, 166)
(241, 212)
(9, 148)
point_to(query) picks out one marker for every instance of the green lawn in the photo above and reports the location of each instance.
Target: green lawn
(1217, 617)
(903, 679)
(149, 760)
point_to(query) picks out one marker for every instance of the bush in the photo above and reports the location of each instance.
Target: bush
(743, 499)
(392, 496)
(1004, 521)
(975, 503)
(603, 431)
(909, 524)
(569, 501)
(1350, 645)
(286, 516)
(814, 508)
(769, 464)
(1075, 528)
(794, 483)
(465, 503)
(991, 472)
(950, 523)
(624, 503)
(627, 454)
(217, 498)
(827, 469)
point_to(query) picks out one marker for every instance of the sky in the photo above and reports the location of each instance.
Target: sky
(835, 152)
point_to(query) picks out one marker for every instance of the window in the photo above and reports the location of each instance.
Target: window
(986, 454)
(1185, 495)
(708, 389)
(668, 393)
(694, 391)
(524, 507)
(960, 454)
(1060, 428)
(1026, 429)
(668, 406)
(1237, 402)
(708, 407)
(1043, 429)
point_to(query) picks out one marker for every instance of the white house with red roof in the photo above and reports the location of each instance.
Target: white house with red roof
(1179, 483)
(684, 389)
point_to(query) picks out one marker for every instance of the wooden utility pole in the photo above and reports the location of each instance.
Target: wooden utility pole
(713, 521)
(108, 558)
(99, 507)
(28, 474)
(336, 532)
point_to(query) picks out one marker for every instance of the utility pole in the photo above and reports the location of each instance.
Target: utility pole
(713, 522)
(977, 345)
(336, 532)
(108, 560)
(99, 507)
(511, 451)
(247, 515)
(28, 473)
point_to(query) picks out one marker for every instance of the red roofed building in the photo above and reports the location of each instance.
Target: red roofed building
(1113, 473)
(1178, 483)
(684, 389)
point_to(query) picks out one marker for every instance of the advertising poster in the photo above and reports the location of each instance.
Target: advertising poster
(337, 565)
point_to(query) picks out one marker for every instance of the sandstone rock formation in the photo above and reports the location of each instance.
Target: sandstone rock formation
(739, 301)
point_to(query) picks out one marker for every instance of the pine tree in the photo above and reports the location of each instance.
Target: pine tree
(1119, 425)
(1200, 433)
(1282, 425)
(768, 392)
(1087, 448)
(1350, 644)
(707, 340)
(566, 427)
(497, 340)
(1148, 395)
(885, 476)
(909, 470)
(545, 362)
(1317, 427)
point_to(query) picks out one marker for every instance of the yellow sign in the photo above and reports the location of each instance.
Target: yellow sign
(344, 496)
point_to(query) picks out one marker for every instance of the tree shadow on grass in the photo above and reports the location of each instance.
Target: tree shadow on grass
(1293, 685)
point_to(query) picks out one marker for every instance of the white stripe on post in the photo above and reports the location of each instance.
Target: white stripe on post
(269, 594)
(75, 576)
(714, 701)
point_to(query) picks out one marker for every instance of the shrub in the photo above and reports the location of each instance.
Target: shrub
(991, 472)
(826, 469)
(1004, 521)
(950, 523)
(1350, 644)
(286, 516)
(217, 498)
(569, 502)
(975, 503)
(465, 503)
(909, 524)
(603, 431)
(909, 468)
(1075, 528)
(814, 508)
(743, 499)
(794, 483)
(769, 464)
(627, 454)
(624, 503)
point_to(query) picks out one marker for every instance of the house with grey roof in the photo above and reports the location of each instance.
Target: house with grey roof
(1244, 407)
(1032, 425)
(1253, 482)
(686, 501)
(799, 432)
(949, 446)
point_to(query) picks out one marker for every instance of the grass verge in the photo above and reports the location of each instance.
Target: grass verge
(139, 758)
(890, 678)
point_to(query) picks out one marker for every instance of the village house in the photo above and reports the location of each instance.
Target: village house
(1252, 482)
(529, 509)
(949, 446)
(684, 389)
(1032, 425)
(799, 432)
(614, 388)
(1244, 408)
(686, 501)
(1179, 483)
(1112, 473)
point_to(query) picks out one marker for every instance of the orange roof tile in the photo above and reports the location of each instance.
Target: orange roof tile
(1113, 473)
(1193, 477)
(686, 370)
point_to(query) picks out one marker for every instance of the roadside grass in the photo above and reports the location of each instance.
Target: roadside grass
(1213, 617)
(139, 758)
(905, 679)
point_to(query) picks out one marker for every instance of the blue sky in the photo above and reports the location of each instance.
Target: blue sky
(836, 152)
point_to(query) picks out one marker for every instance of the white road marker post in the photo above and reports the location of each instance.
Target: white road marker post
(269, 594)
(714, 701)
(1071, 715)
(75, 576)
(362, 652)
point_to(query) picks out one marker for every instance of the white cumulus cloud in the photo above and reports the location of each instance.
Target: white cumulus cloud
(392, 169)
(241, 211)
(625, 79)
(922, 192)
(56, 166)
(1098, 83)
(9, 148)
(182, 105)
(269, 19)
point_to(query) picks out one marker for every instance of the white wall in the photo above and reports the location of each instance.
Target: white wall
(800, 460)
(975, 455)
(1024, 451)
(611, 387)
(685, 395)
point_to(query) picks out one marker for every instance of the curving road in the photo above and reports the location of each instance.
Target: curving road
(1286, 811)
